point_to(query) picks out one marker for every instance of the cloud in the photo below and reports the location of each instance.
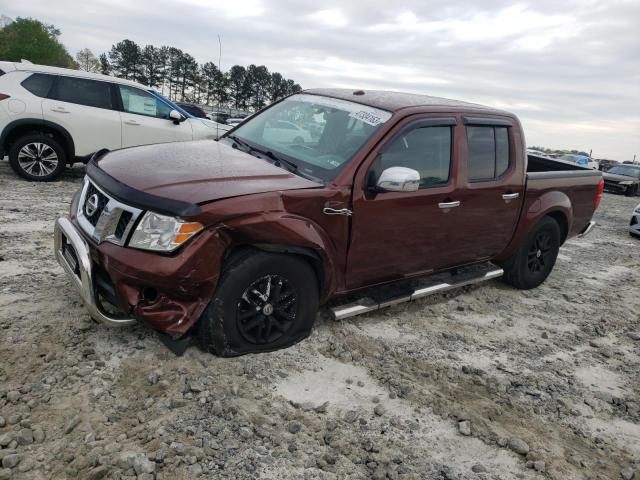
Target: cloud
(329, 18)
(570, 70)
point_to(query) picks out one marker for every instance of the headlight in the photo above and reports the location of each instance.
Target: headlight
(626, 182)
(161, 233)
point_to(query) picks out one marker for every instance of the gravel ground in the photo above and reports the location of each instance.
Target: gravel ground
(485, 382)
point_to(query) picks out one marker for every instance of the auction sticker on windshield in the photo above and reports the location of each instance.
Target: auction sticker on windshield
(369, 115)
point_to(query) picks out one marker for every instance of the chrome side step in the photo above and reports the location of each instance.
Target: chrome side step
(384, 296)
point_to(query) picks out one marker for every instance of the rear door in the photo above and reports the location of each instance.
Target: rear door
(491, 189)
(86, 109)
(145, 119)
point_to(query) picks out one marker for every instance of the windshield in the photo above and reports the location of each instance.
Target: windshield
(629, 171)
(317, 134)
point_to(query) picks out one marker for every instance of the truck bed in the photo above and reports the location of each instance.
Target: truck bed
(562, 182)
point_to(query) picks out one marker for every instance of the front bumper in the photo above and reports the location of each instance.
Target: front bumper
(634, 225)
(72, 253)
(167, 292)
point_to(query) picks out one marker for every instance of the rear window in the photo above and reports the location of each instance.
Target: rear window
(488, 152)
(91, 93)
(38, 84)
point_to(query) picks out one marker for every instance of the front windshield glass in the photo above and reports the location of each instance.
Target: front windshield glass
(318, 134)
(629, 171)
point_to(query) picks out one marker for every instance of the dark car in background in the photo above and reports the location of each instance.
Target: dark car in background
(194, 110)
(623, 179)
(605, 165)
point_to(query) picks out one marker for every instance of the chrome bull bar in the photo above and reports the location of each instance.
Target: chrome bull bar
(76, 262)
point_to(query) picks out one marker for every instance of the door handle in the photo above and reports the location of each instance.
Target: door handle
(336, 211)
(449, 204)
(59, 110)
(131, 122)
(507, 197)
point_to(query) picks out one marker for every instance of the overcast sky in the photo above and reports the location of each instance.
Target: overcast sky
(570, 69)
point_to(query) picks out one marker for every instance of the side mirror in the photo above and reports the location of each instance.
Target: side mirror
(398, 179)
(175, 116)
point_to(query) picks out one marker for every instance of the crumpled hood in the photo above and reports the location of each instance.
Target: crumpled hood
(197, 172)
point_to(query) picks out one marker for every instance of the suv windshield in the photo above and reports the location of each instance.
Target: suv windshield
(317, 134)
(624, 170)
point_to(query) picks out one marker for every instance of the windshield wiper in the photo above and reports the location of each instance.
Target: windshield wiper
(278, 161)
(240, 142)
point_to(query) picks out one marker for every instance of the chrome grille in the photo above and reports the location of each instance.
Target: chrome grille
(103, 217)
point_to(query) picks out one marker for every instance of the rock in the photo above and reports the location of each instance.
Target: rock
(178, 448)
(464, 428)
(627, 473)
(25, 437)
(6, 439)
(97, 473)
(73, 423)
(634, 336)
(143, 465)
(5, 474)
(321, 408)
(596, 343)
(294, 427)
(379, 410)
(38, 435)
(13, 396)
(539, 466)
(518, 445)
(478, 468)
(2, 421)
(10, 461)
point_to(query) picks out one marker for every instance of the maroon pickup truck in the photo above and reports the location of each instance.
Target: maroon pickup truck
(349, 200)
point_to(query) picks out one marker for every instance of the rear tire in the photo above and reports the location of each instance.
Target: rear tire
(37, 157)
(264, 302)
(532, 263)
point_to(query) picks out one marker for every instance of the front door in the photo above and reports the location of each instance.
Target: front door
(145, 119)
(396, 234)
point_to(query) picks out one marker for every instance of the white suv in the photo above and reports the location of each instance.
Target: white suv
(51, 117)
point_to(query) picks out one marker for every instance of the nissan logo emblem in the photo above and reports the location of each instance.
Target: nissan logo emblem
(91, 205)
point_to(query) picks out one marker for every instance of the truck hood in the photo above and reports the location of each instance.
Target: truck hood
(197, 172)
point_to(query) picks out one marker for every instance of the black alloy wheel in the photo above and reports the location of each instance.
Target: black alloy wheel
(267, 310)
(539, 252)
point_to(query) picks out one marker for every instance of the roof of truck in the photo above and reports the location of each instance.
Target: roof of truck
(393, 101)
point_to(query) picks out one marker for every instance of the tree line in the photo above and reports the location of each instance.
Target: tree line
(178, 75)
(173, 72)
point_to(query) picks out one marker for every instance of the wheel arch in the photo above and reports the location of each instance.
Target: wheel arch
(282, 232)
(24, 126)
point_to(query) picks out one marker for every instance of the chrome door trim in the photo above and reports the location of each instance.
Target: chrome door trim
(455, 204)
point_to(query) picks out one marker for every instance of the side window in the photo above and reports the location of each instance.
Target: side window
(140, 102)
(425, 149)
(91, 93)
(38, 84)
(488, 152)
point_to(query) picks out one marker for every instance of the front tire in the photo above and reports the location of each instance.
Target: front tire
(631, 191)
(532, 263)
(264, 302)
(37, 157)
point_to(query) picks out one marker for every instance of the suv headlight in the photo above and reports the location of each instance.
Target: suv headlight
(626, 182)
(162, 233)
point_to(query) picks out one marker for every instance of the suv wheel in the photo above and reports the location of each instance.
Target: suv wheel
(264, 302)
(532, 263)
(37, 157)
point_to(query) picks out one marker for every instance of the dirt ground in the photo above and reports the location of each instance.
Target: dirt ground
(485, 382)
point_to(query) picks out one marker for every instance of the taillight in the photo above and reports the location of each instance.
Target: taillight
(3, 96)
(599, 193)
